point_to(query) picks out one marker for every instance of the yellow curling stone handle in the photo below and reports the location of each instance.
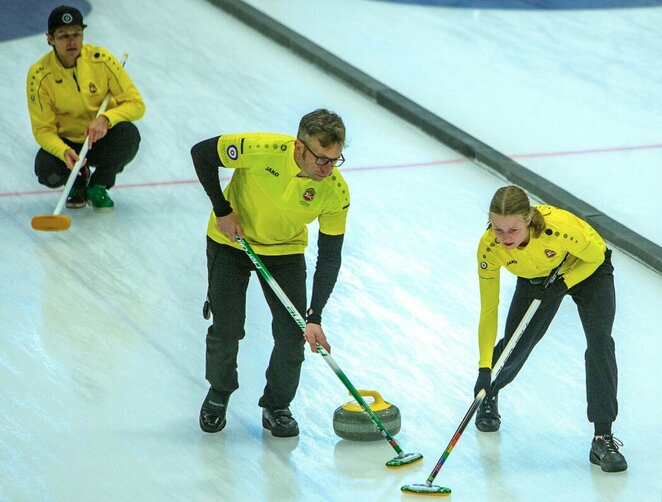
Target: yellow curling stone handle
(377, 405)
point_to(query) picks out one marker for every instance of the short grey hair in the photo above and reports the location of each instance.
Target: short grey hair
(326, 126)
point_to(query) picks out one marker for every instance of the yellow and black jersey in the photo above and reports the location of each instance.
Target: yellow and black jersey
(564, 234)
(63, 101)
(273, 203)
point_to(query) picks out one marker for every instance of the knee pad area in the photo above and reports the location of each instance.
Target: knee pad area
(53, 181)
(225, 332)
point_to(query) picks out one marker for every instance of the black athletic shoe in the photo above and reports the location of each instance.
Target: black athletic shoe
(488, 418)
(212, 413)
(280, 422)
(604, 452)
(77, 198)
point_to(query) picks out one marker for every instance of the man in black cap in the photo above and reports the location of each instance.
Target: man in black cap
(65, 89)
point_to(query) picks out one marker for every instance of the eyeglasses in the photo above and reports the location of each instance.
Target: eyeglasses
(322, 161)
(66, 36)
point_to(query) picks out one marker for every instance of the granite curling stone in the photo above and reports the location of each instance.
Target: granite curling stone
(351, 422)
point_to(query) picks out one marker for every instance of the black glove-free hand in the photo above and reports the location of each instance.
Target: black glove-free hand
(555, 290)
(484, 381)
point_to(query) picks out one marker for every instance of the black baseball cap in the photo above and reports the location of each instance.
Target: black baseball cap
(64, 16)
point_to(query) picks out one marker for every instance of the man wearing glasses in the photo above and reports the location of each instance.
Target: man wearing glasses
(65, 89)
(280, 184)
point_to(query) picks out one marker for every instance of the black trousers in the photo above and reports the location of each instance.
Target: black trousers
(108, 156)
(229, 272)
(596, 304)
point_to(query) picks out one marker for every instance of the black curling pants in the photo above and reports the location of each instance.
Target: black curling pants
(108, 156)
(229, 272)
(596, 304)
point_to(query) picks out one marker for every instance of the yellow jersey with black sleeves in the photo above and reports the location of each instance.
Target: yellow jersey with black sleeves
(564, 234)
(63, 101)
(273, 203)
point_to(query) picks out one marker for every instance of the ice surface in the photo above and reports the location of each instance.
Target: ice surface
(102, 338)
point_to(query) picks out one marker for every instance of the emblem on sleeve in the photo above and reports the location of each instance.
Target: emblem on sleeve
(232, 152)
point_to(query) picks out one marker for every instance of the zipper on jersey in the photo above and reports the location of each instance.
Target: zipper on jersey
(73, 73)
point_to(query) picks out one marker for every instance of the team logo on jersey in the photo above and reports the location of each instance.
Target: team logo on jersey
(93, 88)
(309, 194)
(232, 152)
(550, 253)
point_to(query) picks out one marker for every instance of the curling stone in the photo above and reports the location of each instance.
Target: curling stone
(350, 421)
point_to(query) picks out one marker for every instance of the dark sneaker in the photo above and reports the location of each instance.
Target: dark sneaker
(488, 418)
(280, 422)
(97, 196)
(604, 452)
(212, 413)
(77, 198)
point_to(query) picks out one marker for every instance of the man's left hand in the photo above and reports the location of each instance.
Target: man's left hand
(96, 129)
(314, 335)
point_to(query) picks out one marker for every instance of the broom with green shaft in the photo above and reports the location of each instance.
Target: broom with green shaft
(402, 459)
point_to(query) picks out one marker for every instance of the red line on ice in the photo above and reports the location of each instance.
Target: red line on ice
(458, 160)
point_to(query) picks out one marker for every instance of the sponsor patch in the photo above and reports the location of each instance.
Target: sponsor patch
(232, 152)
(309, 194)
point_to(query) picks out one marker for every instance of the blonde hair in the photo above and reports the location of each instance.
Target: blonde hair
(511, 201)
